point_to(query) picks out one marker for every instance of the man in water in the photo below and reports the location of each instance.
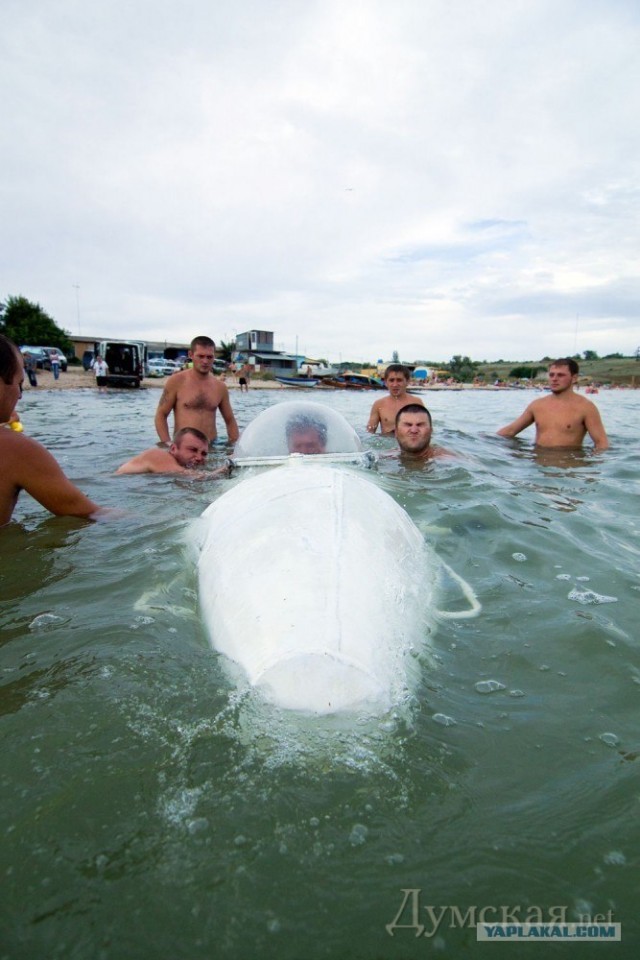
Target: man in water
(306, 435)
(562, 419)
(26, 465)
(188, 451)
(414, 429)
(384, 411)
(195, 395)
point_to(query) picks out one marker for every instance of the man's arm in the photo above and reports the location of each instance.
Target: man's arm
(374, 418)
(165, 406)
(227, 415)
(595, 428)
(35, 470)
(154, 460)
(523, 421)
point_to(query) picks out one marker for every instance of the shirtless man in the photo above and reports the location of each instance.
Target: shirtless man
(189, 450)
(414, 429)
(194, 396)
(562, 419)
(384, 411)
(26, 465)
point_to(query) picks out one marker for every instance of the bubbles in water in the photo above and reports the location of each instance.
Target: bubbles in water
(489, 686)
(45, 620)
(198, 825)
(583, 579)
(443, 719)
(610, 739)
(394, 858)
(358, 835)
(588, 596)
(142, 622)
(520, 557)
(563, 576)
(615, 858)
(517, 693)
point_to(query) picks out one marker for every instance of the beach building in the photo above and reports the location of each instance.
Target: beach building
(255, 347)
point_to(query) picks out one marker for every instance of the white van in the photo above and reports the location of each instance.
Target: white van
(126, 360)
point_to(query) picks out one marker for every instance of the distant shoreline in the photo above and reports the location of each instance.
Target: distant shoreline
(75, 379)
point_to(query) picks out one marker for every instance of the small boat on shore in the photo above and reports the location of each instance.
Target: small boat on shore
(353, 381)
(297, 381)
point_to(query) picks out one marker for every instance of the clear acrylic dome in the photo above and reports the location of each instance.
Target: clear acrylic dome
(298, 426)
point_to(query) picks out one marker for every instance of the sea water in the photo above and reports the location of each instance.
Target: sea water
(150, 808)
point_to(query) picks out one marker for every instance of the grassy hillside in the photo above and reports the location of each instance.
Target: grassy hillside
(625, 371)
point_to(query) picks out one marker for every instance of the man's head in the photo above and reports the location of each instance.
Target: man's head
(563, 373)
(202, 352)
(306, 434)
(413, 429)
(190, 447)
(10, 360)
(11, 377)
(396, 377)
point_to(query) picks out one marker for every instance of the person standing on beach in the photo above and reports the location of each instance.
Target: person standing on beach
(101, 371)
(384, 411)
(31, 366)
(26, 465)
(55, 365)
(564, 418)
(414, 429)
(194, 396)
(245, 377)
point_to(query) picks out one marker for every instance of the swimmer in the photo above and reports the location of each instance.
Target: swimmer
(195, 396)
(562, 419)
(306, 435)
(26, 465)
(414, 429)
(188, 451)
(384, 411)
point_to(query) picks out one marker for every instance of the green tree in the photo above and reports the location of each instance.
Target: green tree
(524, 373)
(462, 368)
(224, 350)
(590, 355)
(27, 323)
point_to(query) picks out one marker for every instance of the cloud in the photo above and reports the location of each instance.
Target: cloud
(429, 178)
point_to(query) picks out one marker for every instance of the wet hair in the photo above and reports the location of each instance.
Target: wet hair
(397, 368)
(9, 359)
(574, 369)
(413, 408)
(202, 342)
(179, 434)
(302, 421)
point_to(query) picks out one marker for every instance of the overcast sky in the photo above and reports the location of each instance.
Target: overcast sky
(359, 176)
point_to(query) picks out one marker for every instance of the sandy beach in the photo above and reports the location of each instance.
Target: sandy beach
(76, 378)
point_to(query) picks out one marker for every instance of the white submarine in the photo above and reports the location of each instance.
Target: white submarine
(311, 578)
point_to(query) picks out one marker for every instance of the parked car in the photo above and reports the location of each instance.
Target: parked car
(38, 353)
(62, 360)
(160, 368)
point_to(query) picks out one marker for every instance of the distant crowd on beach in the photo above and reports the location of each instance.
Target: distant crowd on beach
(193, 396)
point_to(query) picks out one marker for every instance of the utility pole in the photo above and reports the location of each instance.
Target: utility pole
(77, 289)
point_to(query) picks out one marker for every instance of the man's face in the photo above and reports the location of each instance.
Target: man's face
(189, 451)
(561, 379)
(306, 440)
(413, 432)
(396, 383)
(203, 358)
